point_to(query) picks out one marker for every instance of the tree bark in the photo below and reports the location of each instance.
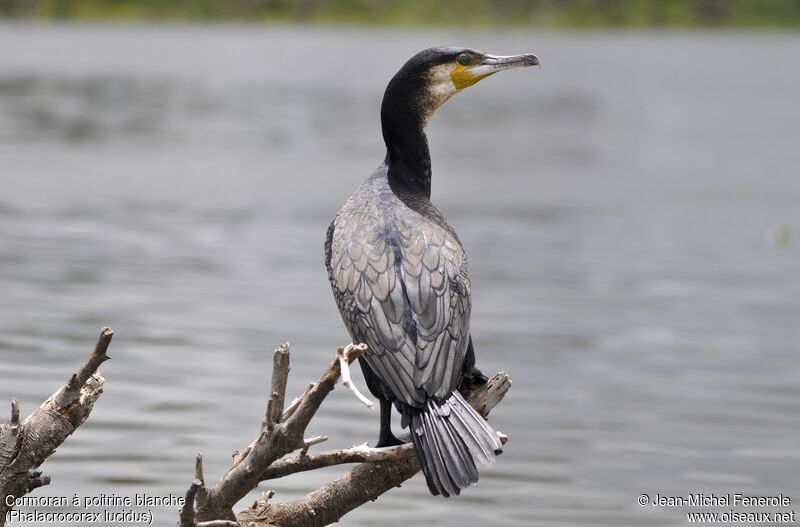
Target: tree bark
(25, 446)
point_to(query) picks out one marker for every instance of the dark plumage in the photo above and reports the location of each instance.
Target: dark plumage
(400, 279)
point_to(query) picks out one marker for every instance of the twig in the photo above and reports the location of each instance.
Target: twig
(357, 454)
(311, 441)
(344, 364)
(280, 364)
(294, 404)
(14, 426)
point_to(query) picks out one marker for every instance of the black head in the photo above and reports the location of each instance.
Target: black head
(434, 75)
(423, 84)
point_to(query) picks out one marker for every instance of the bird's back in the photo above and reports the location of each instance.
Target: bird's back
(400, 279)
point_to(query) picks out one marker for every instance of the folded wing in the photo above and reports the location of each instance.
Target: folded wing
(402, 287)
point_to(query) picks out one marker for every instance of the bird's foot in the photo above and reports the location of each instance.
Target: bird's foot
(477, 377)
(472, 380)
(388, 440)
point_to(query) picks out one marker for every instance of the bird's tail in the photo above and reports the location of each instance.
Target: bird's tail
(450, 438)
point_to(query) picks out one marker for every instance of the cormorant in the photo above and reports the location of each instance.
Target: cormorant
(400, 279)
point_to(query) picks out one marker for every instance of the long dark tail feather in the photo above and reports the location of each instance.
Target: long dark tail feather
(451, 439)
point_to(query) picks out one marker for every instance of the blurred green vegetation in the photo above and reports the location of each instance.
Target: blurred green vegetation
(552, 13)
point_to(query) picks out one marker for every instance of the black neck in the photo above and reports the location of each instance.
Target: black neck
(407, 155)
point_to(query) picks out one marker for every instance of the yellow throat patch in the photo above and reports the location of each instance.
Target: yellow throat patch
(462, 77)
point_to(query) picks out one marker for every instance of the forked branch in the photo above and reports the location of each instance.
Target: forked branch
(282, 432)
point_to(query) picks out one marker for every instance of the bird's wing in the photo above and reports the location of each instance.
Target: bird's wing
(434, 273)
(404, 291)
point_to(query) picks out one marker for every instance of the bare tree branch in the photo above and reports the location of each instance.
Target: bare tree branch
(357, 454)
(333, 500)
(280, 375)
(25, 446)
(285, 435)
(366, 482)
(282, 431)
(343, 355)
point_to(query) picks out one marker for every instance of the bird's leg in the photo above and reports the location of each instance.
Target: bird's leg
(470, 371)
(376, 388)
(385, 436)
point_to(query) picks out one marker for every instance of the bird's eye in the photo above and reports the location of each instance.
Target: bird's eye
(463, 59)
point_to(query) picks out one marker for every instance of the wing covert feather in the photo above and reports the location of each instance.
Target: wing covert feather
(413, 316)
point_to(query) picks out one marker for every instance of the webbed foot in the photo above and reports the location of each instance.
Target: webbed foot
(387, 440)
(477, 377)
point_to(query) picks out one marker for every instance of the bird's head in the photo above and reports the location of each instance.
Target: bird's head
(434, 75)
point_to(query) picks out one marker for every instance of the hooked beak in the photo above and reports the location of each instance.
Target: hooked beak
(465, 76)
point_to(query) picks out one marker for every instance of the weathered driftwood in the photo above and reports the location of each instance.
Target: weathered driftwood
(25, 445)
(282, 432)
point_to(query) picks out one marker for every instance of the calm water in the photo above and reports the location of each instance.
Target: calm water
(616, 204)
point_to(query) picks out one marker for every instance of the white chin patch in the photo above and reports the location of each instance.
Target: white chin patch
(440, 87)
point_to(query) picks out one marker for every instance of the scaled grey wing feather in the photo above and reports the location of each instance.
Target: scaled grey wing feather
(412, 314)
